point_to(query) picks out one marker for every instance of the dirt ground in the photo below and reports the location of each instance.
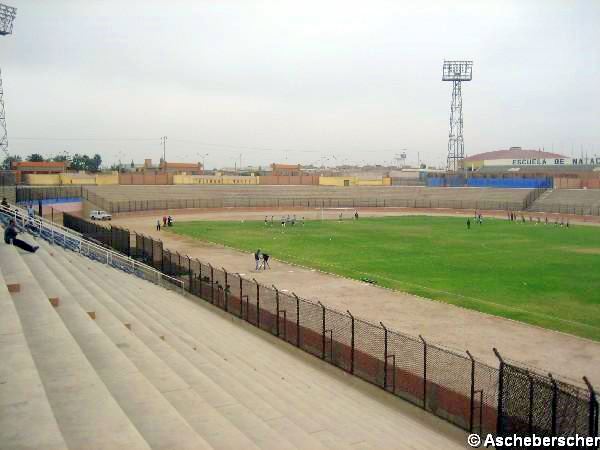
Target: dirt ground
(448, 325)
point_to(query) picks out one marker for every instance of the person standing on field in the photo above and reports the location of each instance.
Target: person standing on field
(468, 223)
(265, 261)
(158, 225)
(257, 259)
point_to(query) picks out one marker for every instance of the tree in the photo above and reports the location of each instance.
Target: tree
(94, 163)
(84, 162)
(7, 163)
(35, 157)
(79, 162)
(60, 158)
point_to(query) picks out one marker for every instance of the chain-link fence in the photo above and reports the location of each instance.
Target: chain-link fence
(112, 237)
(532, 403)
(566, 208)
(124, 206)
(30, 194)
(455, 386)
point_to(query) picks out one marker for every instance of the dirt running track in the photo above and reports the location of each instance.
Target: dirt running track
(454, 327)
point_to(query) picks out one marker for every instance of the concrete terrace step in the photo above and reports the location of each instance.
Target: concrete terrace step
(236, 343)
(279, 396)
(261, 422)
(376, 426)
(198, 412)
(158, 422)
(245, 387)
(82, 405)
(24, 405)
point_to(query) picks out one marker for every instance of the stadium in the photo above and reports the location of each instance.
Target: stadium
(298, 305)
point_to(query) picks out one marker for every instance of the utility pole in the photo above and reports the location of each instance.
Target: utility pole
(163, 141)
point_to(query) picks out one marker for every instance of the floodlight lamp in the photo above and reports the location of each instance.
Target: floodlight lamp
(457, 71)
(7, 16)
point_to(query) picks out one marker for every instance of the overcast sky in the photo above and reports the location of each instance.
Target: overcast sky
(276, 81)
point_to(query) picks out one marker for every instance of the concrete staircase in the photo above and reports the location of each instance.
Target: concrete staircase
(95, 358)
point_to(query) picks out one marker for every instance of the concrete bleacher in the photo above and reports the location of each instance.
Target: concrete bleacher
(93, 357)
(128, 198)
(569, 201)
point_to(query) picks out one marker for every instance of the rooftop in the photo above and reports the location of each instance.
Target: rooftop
(513, 153)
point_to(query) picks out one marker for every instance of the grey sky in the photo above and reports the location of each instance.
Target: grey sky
(298, 81)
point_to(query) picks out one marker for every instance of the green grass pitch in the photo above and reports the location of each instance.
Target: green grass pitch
(539, 274)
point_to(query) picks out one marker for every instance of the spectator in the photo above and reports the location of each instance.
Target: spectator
(10, 237)
(4, 202)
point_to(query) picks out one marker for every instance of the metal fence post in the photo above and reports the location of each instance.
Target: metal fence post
(276, 309)
(241, 296)
(499, 414)
(322, 332)
(593, 413)
(385, 354)
(554, 402)
(162, 256)
(212, 286)
(472, 390)
(257, 303)
(190, 277)
(297, 320)
(351, 343)
(530, 415)
(225, 290)
(199, 276)
(424, 372)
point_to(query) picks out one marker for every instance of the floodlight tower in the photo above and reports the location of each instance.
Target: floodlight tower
(457, 72)
(7, 16)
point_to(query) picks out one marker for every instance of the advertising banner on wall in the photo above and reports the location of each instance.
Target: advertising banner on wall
(565, 161)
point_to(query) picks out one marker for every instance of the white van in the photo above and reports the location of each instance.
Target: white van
(100, 215)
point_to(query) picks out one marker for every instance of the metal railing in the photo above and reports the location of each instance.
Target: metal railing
(72, 240)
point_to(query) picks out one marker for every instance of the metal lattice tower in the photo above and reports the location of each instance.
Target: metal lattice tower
(7, 16)
(457, 72)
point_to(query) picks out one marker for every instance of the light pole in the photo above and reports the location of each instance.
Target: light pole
(203, 156)
(7, 16)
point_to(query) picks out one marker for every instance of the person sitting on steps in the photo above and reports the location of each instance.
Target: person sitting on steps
(10, 237)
